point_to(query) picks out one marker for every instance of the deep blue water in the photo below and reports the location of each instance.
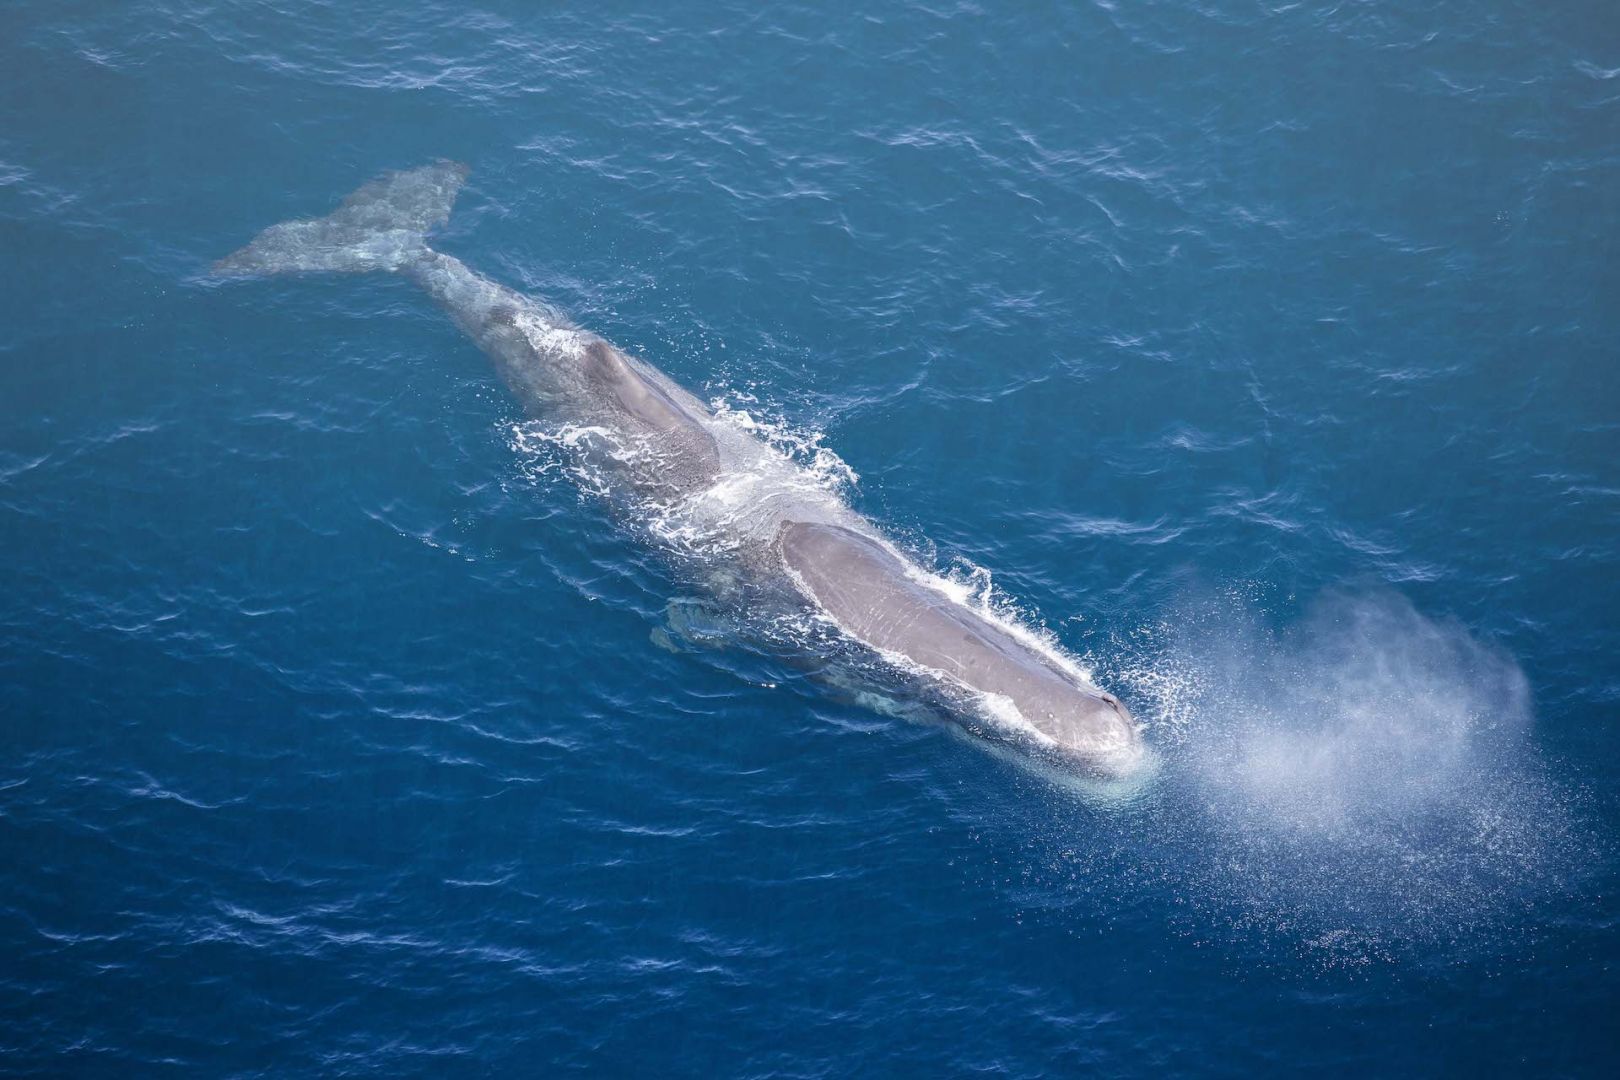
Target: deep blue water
(1266, 355)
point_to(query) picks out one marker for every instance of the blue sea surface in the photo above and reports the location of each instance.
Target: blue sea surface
(1264, 355)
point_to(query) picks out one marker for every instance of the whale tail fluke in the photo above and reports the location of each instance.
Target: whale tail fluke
(382, 226)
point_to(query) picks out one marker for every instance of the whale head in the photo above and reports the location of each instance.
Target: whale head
(1080, 724)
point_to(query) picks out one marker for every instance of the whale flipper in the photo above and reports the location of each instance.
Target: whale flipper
(693, 623)
(382, 226)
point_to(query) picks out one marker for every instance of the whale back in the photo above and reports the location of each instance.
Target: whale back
(650, 411)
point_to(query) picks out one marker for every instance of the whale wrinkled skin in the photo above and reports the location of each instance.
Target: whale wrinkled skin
(836, 561)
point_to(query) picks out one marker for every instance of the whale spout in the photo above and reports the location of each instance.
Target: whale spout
(382, 226)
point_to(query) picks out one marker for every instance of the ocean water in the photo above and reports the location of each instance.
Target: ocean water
(1264, 356)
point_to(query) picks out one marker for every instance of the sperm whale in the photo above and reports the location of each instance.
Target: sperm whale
(657, 438)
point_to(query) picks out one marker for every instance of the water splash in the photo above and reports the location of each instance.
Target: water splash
(804, 446)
